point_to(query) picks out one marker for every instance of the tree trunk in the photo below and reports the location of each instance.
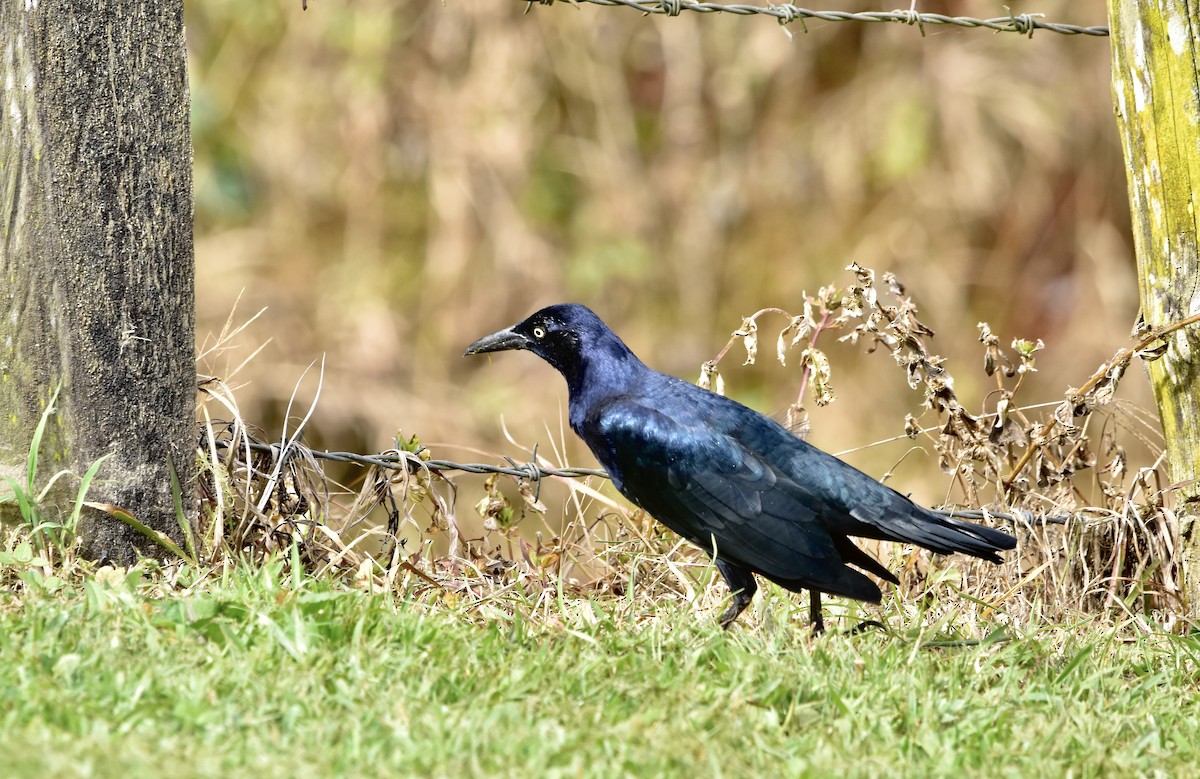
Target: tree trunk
(96, 255)
(1156, 92)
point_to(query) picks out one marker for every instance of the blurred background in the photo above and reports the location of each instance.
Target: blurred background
(394, 179)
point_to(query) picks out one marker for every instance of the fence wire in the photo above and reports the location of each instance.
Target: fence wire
(399, 460)
(396, 460)
(1025, 24)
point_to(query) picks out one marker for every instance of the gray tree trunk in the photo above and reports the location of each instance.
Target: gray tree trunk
(96, 264)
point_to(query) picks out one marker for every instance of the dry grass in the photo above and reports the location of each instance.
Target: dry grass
(1095, 536)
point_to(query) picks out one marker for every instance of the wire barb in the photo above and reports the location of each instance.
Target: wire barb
(788, 13)
(912, 16)
(1023, 23)
(532, 473)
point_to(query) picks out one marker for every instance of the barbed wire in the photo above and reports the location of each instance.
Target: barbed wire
(397, 460)
(1025, 24)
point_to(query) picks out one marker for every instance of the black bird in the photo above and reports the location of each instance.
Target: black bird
(730, 480)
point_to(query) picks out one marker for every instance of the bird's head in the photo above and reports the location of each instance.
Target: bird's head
(567, 336)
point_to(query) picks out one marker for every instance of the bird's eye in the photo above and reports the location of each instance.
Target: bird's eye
(539, 332)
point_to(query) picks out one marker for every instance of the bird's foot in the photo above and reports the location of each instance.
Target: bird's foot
(862, 627)
(741, 585)
(818, 627)
(737, 607)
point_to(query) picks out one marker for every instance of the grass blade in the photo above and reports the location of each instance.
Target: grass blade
(177, 499)
(162, 539)
(35, 445)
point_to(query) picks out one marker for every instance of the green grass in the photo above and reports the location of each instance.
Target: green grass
(254, 673)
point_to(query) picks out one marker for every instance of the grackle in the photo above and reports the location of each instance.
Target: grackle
(725, 477)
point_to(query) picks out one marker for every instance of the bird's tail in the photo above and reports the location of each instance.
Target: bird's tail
(945, 535)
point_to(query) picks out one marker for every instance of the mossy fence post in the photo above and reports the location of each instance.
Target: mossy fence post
(1156, 97)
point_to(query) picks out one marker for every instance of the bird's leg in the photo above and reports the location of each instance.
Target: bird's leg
(741, 583)
(814, 612)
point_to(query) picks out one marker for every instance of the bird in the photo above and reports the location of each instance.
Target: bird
(732, 481)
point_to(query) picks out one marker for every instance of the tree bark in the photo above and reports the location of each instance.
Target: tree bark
(96, 258)
(1156, 93)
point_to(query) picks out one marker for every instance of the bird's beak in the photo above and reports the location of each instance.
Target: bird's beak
(498, 342)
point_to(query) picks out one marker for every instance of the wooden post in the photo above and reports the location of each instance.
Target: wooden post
(1156, 95)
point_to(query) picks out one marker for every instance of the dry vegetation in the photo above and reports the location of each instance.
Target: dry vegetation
(393, 179)
(1095, 537)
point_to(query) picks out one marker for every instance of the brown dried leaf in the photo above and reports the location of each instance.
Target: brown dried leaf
(893, 284)
(992, 356)
(1152, 352)
(1005, 430)
(710, 378)
(748, 332)
(796, 331)
(818, 364)
(528, 495)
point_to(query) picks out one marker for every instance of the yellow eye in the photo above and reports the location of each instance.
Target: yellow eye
(539, 332)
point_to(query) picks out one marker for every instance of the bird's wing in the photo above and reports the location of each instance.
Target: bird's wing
(710, 487)
(851, 503)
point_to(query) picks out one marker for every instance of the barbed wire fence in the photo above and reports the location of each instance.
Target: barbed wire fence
(786, 13)
(533, 473)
